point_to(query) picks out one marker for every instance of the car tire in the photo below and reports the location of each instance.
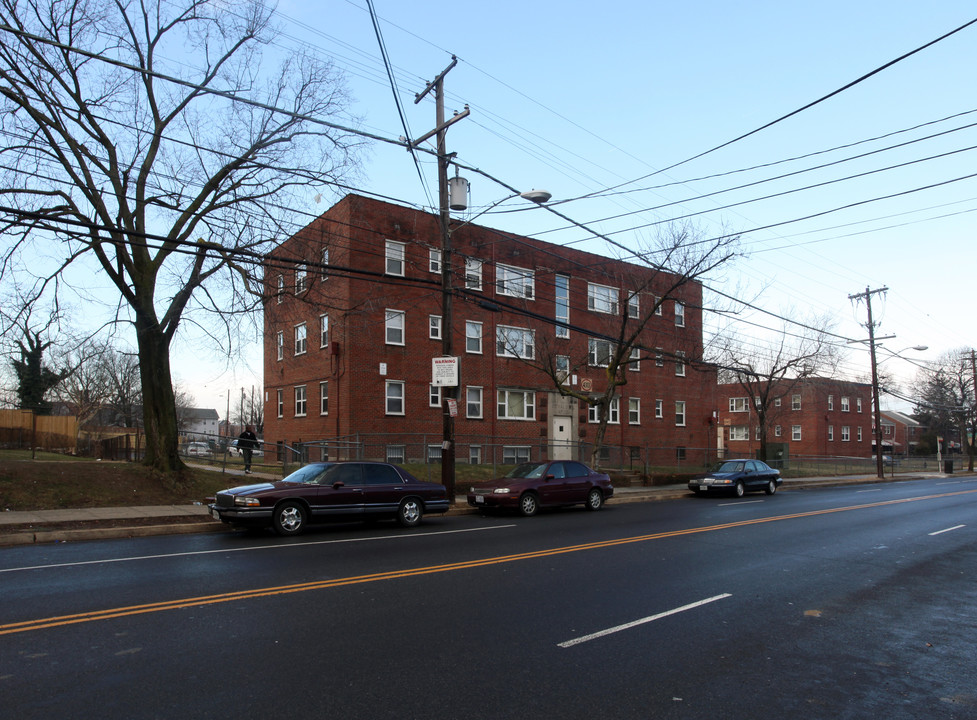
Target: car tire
(771, 487)
(528, 504)
(595, 499)
(289, 519)
(740, 489)
(410, 512)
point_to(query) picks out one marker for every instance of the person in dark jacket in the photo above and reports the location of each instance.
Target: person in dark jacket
(246, 443)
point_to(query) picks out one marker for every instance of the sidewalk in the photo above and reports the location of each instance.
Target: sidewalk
(44, 526)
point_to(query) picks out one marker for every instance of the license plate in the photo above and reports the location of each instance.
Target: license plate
(217, 515)
(479, 499)
(703, 487)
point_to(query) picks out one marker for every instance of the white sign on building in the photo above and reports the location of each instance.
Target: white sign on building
(445, 371)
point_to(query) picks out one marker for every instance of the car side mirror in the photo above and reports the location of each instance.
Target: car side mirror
(549, 477)
(338, 484)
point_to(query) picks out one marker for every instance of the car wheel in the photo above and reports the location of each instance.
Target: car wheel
(410, 512)
(595, 499)
(289, 518)
(740, 489)
(528, 505)
(771, 487)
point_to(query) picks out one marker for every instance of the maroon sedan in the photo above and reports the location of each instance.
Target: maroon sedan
(531, 486)
(329, 491)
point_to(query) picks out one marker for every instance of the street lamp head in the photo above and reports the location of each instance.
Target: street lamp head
(920, 348)
(536, 196)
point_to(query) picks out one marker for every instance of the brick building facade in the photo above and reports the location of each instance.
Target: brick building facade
(353, 319)
(816, 416)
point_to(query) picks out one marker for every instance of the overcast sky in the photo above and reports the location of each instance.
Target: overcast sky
(627, 102)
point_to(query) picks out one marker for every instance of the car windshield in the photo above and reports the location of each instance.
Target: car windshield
(729, 467)
(310, 474)
(528, 470)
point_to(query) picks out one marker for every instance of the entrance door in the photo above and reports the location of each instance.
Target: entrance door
(561, 439)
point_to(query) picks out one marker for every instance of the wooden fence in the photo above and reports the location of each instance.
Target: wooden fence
(22, 429)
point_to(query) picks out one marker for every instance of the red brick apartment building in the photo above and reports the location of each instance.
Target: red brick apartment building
(353, 319)
(816, 416)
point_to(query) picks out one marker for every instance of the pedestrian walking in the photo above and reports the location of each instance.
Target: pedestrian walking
(246, 443)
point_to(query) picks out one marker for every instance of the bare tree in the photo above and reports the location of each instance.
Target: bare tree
(87, 388)
(769, 372)
(946, 399)
(155, 144)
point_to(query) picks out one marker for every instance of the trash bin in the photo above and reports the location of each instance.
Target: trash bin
(948, 467)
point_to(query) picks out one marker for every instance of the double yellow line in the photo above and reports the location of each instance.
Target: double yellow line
(108, 614)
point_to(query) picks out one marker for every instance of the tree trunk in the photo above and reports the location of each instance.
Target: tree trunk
(159, 401)
(599, 439)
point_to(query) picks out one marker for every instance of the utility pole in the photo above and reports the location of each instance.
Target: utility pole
(867, 295)
(449, 394)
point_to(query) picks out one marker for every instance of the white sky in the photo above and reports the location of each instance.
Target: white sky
(576, 100)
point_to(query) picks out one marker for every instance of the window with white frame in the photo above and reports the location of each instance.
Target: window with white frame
(301, 278)
(858, 404)
(300, 339)
(562, 292)
(634, 411)
(845, 404)
(659, 306)
(516, 405)
(756, 434)
(396, 253)
(845, 433)
(280, 344)
(323, 331)
(514, 342)
(434, 261)
(858, 433)
(474, 454)
(795, 402)
(795, 432)
(831, 402)
(599, 352)
(473, 396)
(659, 409)
(434, 327)
(394, 396)
(739, 432)
(613, 412)
(562, 367)
(679, 314)
(776, 402)
(301, 403)
(280, 292)
(777, 431)
(602, 299)
(473, 337)
(434, 396)
(281, 403)
(324, 397)
(433, 454)
(396, 454)
(680, 413)
(514, 281)
(325, 263)
(634, 305)
(634, 361)
(680, 363)
(739, 404)
(659, 357)
(394, 327)
(515, 454)
(831, 433)
(473, 274)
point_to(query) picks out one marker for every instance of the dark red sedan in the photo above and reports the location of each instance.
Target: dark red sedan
(328, 491)
(531, 486)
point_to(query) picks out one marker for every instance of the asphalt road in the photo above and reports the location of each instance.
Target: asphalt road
(844, 602)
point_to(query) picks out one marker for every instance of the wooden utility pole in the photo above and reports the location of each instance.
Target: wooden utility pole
(867, 296)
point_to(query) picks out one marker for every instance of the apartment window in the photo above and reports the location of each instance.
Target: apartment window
(858, 404)
(634, 305)
(777, 431)
(514, 342)
(280, 344)
(300, 339)
(658, 306)
(756, 434)
(659, 409)
(679, 453)
(680, 364)
(325, 262)
(795, 432)
(281, 403)
(680, 413)
(474, 402)
(563, 368)
(634, 361)
(323, 331)
(395, 254)
(613, 412)
(795, 402)
(280, 293)
(474, 454)
(324, 397)
(858, 431)
(516, 405)
(473, 337)
(394, 397)
(562, 285)
(434, 395)
(394, 327)
(739, 405)
(831, 433)
(659, 357)
(679, 315)
(301, 402)
(433, 454)
(845, 406)
(602, 299)
(739, 432)
(600, 352)
(776, 403)
(434, 261)
(396, 454)
(831, 402)
(515, 454)
(514, 281)
(845, 433)
(301, 278)
(634, 411)
(473, 274)
(434, 327)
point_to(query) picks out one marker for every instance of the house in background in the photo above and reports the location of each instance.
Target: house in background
(353, 320)
(198, 423)
(900, 433)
